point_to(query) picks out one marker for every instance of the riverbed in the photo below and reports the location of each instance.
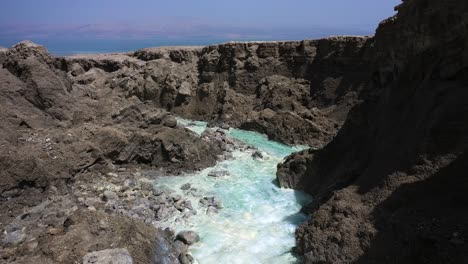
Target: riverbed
(257, 220)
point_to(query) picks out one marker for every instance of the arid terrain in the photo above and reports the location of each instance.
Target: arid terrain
(386, 119)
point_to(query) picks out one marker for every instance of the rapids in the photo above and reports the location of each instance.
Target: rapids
(258, 219)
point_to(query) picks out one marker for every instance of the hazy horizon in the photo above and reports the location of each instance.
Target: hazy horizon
(123, 25)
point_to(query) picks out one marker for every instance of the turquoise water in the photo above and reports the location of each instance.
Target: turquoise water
(258, 220)
(262, 143)
(196, 126)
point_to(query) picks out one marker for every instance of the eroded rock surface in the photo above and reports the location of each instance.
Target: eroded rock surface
(390, 188)
(282, 89)
(63, 132)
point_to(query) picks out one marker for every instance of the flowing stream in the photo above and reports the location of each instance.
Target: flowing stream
(258, 219)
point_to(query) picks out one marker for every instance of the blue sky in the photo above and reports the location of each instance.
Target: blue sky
(188, 19)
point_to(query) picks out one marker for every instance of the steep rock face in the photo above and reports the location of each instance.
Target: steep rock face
(56, 124)
(241, 82)
(254, 85)
(390, 187)
(46, 86)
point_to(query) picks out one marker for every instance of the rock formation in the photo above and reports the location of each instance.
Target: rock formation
(390, 187)
(62, 129)
(296, 92)
(386, 118)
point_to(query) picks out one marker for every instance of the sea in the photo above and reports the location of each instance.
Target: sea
(94, 46)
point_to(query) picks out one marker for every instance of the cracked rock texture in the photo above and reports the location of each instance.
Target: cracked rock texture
(391, 186)
(386, 118)
(296, 92)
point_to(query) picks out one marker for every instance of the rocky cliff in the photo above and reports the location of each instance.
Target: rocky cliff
(297, 92)
(75, 130)
(386, 118)
(391, 186)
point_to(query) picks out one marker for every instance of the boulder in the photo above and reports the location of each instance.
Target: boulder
(185, 89)
(188, 237)
(170, 121)
(186, 259)
(212, 201)
(76, 69)
(257, 155)
(185, 186)
(217, 174)
(179, 247)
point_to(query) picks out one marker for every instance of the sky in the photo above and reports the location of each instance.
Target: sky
(187, 20)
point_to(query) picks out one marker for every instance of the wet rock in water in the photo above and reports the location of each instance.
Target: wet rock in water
(216, 202)
(211, 210)
(13, 238)
(176, 197)
(110, 195)
(188, 237)
(257, 155)
(179, 247)
(204, 201)
(212, 201)
(179, 205)
(185, 186)
(186, 259)
(108, 256)
(218, 174)
(183, 204)
(194, 192)
(188, 205)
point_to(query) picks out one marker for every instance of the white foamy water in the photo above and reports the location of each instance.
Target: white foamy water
(258, 219)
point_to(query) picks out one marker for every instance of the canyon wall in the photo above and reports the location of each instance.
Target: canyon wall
(297, 92)
(75, 128)
(386, 117)
(391, 187)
